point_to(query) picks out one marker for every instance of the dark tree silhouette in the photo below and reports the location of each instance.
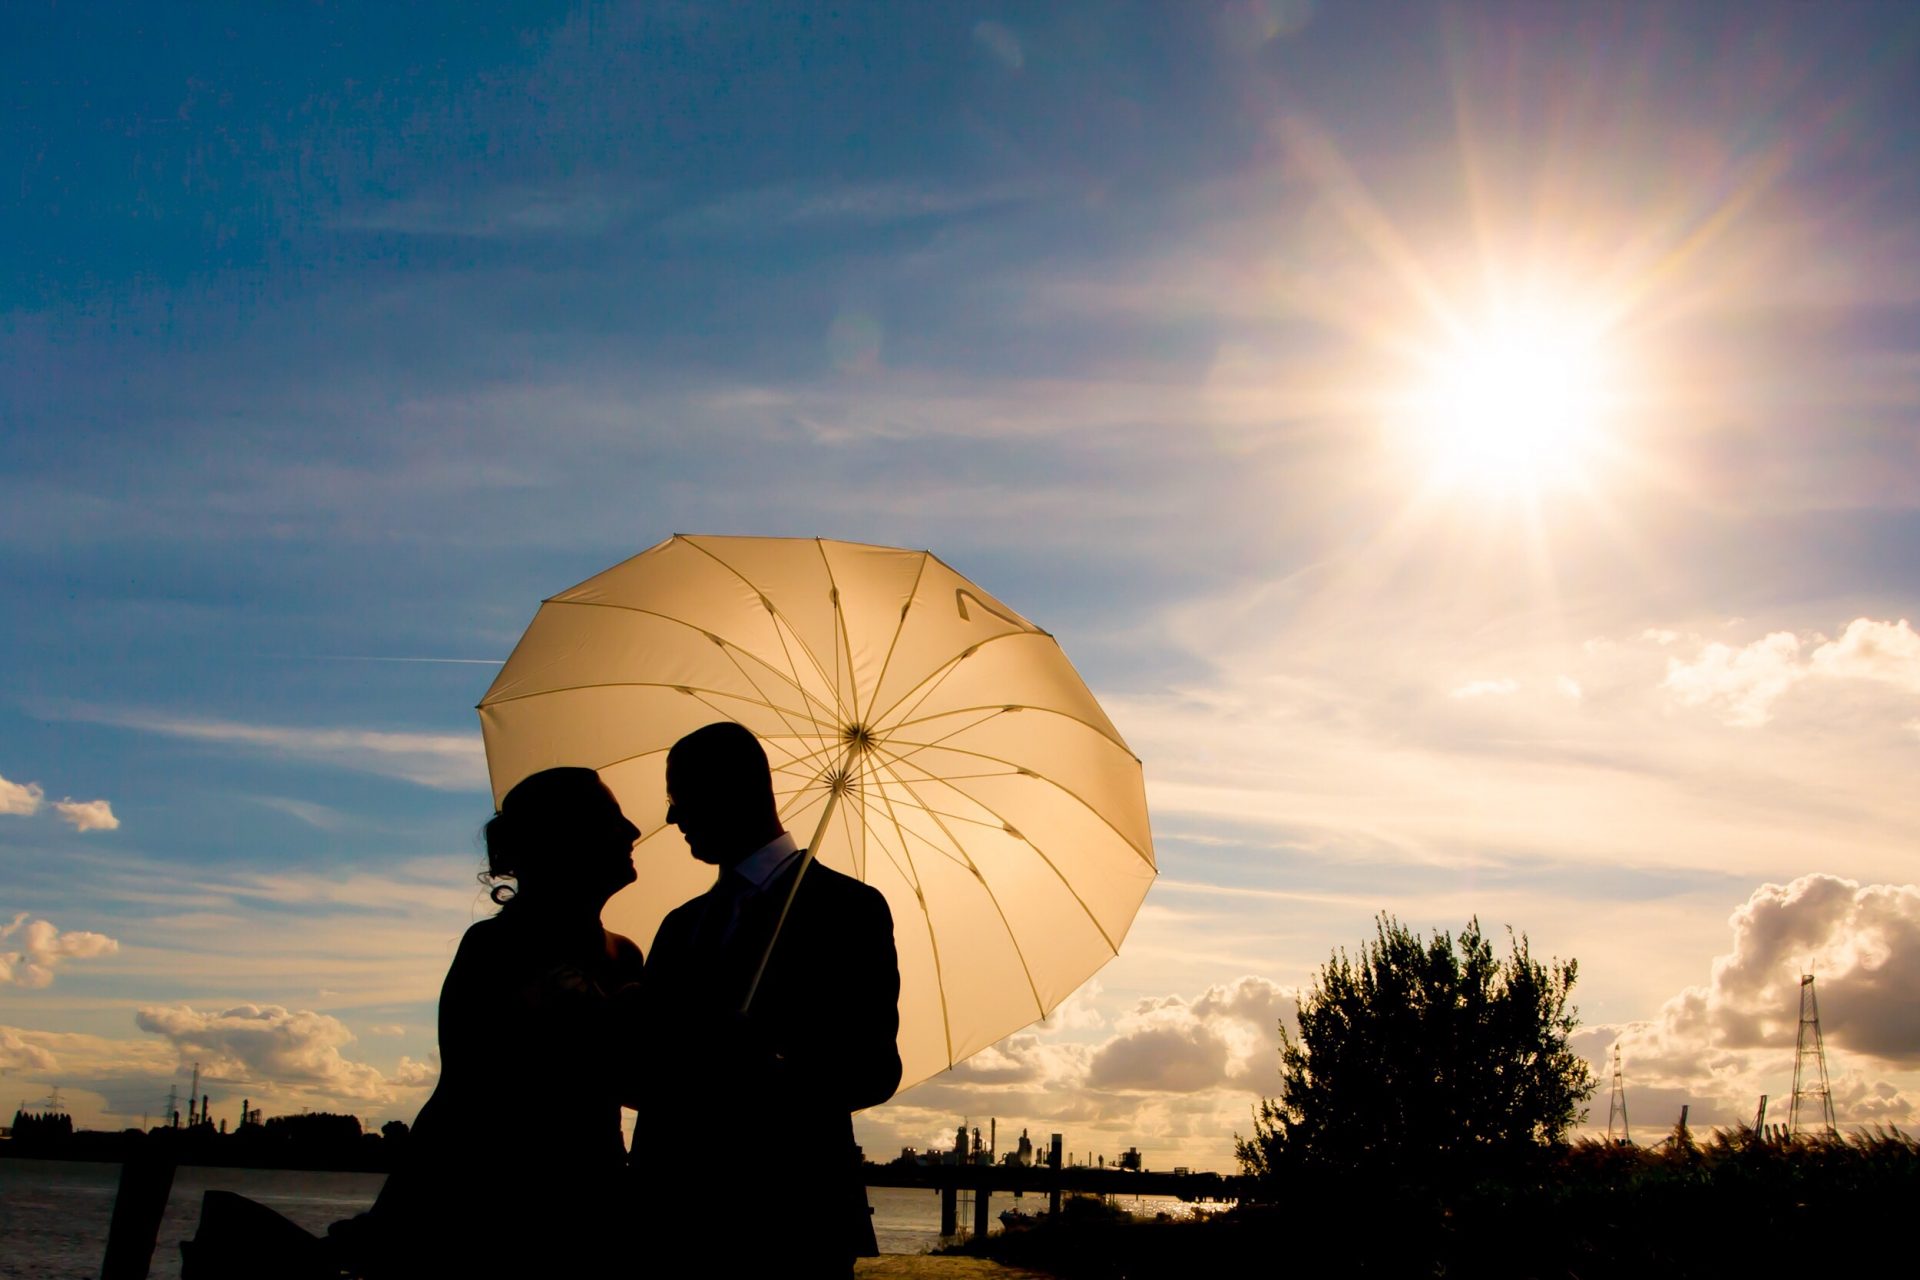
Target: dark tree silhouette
(1424, 1059)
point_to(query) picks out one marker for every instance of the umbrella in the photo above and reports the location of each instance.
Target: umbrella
(936, 744)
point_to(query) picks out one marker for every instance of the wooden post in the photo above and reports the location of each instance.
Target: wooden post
(981, 1196)
(949, 1211)
(1053, 1163)
(146, 1180)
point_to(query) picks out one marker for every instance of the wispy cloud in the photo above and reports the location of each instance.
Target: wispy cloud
(447, 761)
(1485, 688)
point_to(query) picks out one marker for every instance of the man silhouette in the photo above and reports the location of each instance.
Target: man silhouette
(747, 1142)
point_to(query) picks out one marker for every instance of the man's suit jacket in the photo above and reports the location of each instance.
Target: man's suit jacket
(768, 1099)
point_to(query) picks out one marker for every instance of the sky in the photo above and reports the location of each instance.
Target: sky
(1472, 452)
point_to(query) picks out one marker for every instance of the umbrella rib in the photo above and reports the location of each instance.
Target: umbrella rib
(801, 759)
(1145, 856)
(682, 622)
(946, 668)
(780, 632)
(898, 725)
(880, 681)
(1019, 952)
(728, 650)
(842, 641)
(933, 939)
(772, 609)
(762, 701)
(1038, 852)
(909, 873)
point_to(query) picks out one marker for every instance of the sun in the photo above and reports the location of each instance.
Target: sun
(1513, 406)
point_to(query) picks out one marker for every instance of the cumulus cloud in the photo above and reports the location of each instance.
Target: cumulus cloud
(42, 948)
(1175, 1074)
(17, 1054)
(1861, 941)
(1175, 1045)
(298, 1051)
(21, 798)
(1723, 1043)
(1484, 688)
(1744, 683)
(87, 815)
(411, 1074)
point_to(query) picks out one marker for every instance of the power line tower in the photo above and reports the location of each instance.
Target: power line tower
(1617, 1109)
(1812, 1099)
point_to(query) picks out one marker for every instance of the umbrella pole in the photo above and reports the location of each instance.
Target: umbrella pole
(806, 860)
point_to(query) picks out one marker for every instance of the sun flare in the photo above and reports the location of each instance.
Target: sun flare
(1514, 406)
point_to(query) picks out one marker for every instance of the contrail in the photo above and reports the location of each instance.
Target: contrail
(359, 657)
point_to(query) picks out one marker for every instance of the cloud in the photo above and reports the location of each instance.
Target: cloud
(1482, 688)
(1724, 1043)
(21, 798)
(417, 1075)
(43, 948)
(1001, 43)
(17, 1054)
(445, 761)
(298, 1051)
(1176, 1045)
(87, 815)
(1176, 1075)
(1744, 683)
(1862, 943)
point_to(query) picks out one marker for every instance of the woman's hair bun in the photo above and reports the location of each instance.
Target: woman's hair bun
(537, 803)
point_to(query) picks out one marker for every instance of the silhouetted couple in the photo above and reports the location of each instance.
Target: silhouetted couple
(743, 1158)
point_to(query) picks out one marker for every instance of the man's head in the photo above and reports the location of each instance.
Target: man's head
(720, 793)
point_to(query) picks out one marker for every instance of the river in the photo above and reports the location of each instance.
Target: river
(54, 1213)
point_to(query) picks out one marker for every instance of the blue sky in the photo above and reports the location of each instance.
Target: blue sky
(335, 338)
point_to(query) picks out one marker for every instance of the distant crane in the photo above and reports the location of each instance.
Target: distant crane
(1617, 1108)
(1812, 1098)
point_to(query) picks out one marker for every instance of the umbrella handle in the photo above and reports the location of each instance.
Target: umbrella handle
(806, 860)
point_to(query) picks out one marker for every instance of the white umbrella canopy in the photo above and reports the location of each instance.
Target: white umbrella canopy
(980, 786)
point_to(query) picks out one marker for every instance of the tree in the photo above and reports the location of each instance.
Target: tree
(1424, 1059)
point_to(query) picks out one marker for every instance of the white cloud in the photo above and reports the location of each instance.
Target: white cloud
(1176, 1045)
(1177, 1075)
(446, 761)
(19, 1054)
(298, 1051)
(1746, 682)
(43, 948)
(1485, 688)
(417, 1075)
(1724, 1043)
(1867, 650)
(1570, 688)
(21, 798)
(87, 815)
(1743, 682)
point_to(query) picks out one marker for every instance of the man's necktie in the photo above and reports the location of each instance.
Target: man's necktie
(723, 910)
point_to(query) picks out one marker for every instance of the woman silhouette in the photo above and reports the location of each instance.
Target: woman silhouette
(517, 1157)
(516, 1160)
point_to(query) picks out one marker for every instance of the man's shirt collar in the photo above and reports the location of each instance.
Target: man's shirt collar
(761, 866)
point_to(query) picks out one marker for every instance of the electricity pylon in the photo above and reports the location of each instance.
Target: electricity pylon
(1617, 1109)
(1812, 1099)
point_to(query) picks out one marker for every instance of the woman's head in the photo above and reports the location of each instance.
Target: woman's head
(560, 834)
